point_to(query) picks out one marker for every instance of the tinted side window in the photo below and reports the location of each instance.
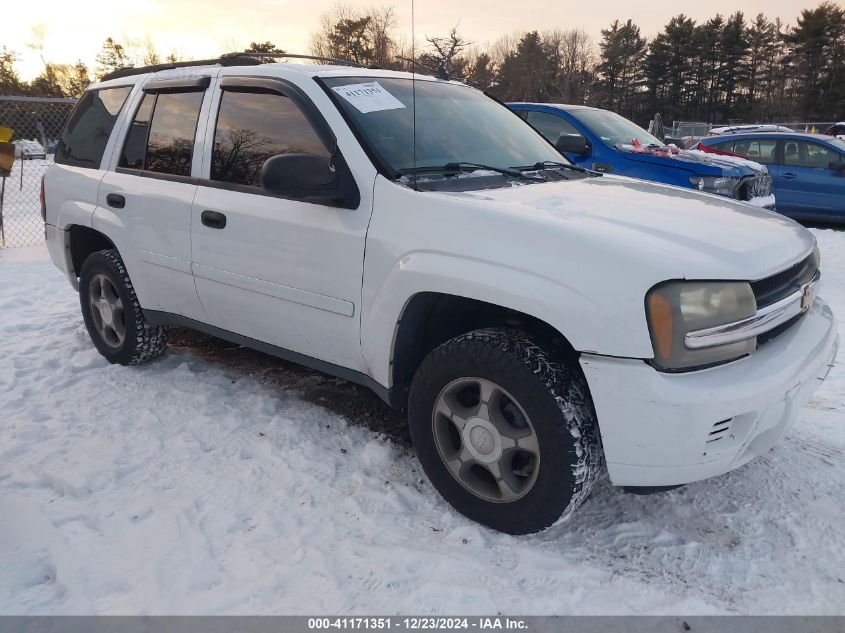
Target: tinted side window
(551, 126)
(87, 132)
(170, 144)
(724, 146)
(252, 127)
(135, 147)
(161, 136)
(761, 151)
(804, 154)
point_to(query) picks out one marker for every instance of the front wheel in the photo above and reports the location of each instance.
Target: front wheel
(505, 432)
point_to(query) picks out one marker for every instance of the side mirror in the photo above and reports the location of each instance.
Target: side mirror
(573, 144)
(300, 176)
(838, 167)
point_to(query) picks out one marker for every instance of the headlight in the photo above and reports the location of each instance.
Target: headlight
(713, 184)
(678, 307)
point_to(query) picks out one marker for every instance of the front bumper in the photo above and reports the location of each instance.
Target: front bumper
(662, 429)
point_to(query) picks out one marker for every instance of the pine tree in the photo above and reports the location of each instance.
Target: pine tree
(113, 56)
(621, 67)
(10, 82)
(528, 72)
(670, 68)
(734, 49)
(73, 78)
(264, 47)
(705, 90)
(48, 83)
(480, 72)
(815, 57)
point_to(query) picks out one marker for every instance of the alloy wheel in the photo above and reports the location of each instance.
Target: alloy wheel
(486, 440)
(107, 311)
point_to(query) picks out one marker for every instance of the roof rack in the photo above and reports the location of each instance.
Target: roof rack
(245, 58)
(321, 58)
(233, 59)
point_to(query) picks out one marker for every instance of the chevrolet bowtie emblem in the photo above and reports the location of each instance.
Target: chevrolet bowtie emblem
(807, 297)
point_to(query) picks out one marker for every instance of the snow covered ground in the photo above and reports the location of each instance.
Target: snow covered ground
(192, 486)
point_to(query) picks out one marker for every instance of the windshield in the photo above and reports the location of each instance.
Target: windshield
(454, 124)
(614, 129)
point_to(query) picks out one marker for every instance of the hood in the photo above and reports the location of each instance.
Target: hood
(675, 233)
(703, 163)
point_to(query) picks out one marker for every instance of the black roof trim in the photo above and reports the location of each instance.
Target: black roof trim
(245, 58)
(237, 59)
(319, 58)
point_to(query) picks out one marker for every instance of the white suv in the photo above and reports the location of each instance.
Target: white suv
(415, 236)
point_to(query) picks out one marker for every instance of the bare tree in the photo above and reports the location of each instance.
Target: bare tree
(382, 22)
(446, 52)
(576, 60)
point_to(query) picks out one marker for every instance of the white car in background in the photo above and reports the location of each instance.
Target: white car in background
(415, 236)
(29, 150)
(745, 129)
(837, 130)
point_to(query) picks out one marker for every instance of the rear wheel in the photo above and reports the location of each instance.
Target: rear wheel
(505, 432)
(112, 314)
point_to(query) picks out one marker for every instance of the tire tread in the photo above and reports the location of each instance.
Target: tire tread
(150, 340)
(565, 383)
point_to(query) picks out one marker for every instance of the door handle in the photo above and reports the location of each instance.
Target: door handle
(213, 219)
(115, 200)
(790, 176)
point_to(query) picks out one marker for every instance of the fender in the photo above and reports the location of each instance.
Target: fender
(497, 284)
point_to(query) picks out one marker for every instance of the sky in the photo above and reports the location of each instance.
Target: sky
(76, 29)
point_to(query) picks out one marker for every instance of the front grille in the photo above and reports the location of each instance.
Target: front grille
(757, 186)
(772, 289)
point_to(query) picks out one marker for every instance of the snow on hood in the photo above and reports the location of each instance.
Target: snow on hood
(762, 202)
(679, 231)
(721, 159)
(694, 156)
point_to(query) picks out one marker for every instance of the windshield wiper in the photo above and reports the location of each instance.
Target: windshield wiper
(545, 164)
(462, 167)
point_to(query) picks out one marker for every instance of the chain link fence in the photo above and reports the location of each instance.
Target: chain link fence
(36, 125)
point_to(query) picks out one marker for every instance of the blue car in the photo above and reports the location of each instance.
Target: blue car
(808, 170)
(604, 141)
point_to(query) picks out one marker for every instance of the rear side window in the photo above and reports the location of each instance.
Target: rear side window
(761, 151)
(161, 136)
(135, 148)
(724, 146)
(254, 126)
(84, 138)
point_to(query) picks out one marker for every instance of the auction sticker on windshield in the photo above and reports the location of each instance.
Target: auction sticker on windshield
(369, 97)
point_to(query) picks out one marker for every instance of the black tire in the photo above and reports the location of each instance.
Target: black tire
(555, 397)
(142, 342)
